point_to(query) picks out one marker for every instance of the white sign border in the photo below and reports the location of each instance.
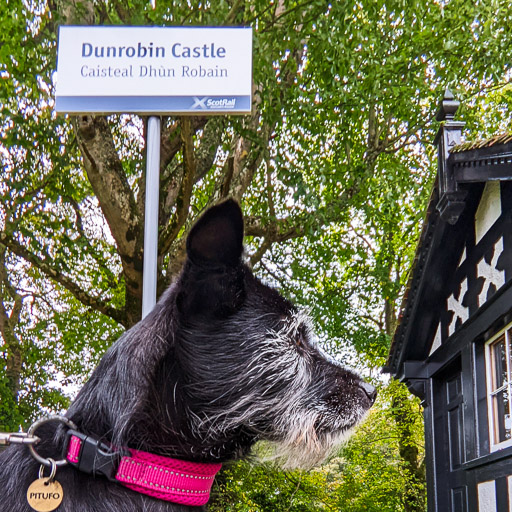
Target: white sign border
(198, 104)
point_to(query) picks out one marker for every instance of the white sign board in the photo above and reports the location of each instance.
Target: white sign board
(149, 70)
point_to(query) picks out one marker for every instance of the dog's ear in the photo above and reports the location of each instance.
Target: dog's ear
(217, 238)
(212, 284)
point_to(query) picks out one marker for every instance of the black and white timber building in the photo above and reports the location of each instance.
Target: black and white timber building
(453, 344)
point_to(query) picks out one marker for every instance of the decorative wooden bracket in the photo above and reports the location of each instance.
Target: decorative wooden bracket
(471, 162)
(451, 197)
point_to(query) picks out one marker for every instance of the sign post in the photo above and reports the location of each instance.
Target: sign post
(154, 71)
(151, 215)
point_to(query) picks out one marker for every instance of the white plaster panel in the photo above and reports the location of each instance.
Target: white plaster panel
(437, 340)
(487, 496)
(509, 481)
(490, 273)
(455, 305)
(463, 257)
(488, 210)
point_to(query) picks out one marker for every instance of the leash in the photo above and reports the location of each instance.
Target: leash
(164, 478)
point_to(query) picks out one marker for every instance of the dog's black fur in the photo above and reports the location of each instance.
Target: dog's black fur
(221, 362)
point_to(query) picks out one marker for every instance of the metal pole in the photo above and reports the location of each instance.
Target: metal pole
(151, 215)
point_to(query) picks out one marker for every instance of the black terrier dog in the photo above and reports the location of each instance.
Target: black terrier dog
(221, 362)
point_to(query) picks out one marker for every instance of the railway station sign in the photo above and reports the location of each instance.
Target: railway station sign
(154, 70)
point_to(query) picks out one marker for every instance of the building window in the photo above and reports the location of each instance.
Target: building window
(499, 368)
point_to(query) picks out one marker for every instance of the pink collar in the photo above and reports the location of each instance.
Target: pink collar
(187, 483)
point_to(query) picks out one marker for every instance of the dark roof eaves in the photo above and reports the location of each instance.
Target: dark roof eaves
(412, 290)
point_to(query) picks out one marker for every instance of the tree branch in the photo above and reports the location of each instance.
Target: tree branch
(210, 141)
(106, 175)
(262, 249)
(14, 359)
(204, 156)
(81, 295)
(286, 228)
(108, 180)
(170, 144)
(187, 183)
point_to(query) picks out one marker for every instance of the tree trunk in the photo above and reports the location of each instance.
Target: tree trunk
(12, 349)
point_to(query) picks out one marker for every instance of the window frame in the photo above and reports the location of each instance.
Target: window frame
(506, 332)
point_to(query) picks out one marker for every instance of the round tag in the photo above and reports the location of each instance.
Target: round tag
(44, 496)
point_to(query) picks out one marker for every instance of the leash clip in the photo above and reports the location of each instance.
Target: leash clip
(30, 434)
(7, 438)
(92, 455)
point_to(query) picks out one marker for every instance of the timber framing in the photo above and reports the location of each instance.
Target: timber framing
(456, 316)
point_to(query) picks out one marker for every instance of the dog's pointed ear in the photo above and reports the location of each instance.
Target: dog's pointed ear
(212, 282)
(217, 238)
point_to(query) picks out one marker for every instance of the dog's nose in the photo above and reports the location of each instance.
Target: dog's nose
(370, 391)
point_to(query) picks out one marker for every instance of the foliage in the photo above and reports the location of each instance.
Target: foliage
(367, 475)
(333, 170)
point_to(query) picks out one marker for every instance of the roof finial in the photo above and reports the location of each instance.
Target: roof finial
(447, 107)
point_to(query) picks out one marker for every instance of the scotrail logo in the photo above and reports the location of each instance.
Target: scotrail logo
(213, 103)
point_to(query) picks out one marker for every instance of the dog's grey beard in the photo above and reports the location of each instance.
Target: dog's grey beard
(304, 447)
(297, 409)
(303, 453)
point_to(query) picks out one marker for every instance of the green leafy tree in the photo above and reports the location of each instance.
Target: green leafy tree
(333, 170)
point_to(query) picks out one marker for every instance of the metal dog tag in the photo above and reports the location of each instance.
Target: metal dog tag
(44, 496)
